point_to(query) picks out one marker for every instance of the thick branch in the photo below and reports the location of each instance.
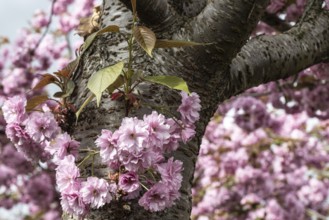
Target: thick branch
(154, 13)
(189, 8)
(269, 58)
(315, 4)
(227, 24)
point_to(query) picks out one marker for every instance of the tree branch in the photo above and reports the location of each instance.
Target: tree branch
(227, 24)
(269, 58)
(189, 8)
(154, 13)
(316, 4)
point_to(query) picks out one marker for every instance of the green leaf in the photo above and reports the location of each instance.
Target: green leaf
(103, 78)
(84, 104)
(110, 28)
(91, 38)
(163, 43)
(69, 88)
(88, 42)
(172, 82)
(145, 37)
(59, 94)
(117, 83)
(35, 101)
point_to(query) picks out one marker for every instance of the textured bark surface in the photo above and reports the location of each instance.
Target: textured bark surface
(208, 70)
(268, 58)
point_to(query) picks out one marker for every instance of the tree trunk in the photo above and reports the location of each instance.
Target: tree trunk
(215, 71)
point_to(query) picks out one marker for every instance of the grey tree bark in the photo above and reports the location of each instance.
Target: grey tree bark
(227, 67)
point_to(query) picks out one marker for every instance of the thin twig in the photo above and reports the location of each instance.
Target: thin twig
(46, 31)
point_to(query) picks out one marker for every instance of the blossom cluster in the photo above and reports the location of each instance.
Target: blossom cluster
(257, 163)
(135, 153)
(22, 178)
(25, 183)
(30, 133)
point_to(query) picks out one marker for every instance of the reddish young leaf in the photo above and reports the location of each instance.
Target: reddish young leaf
(133, 5)
(68, 70)
(46, 80)
(62, 73)
(116, 95)
(35, 101)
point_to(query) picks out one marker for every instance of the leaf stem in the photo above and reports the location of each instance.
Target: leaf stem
(147, 189)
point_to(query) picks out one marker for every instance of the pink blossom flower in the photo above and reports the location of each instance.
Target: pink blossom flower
(67, 23)
(190, 107)
(61, 6)
(107, 144)
(314, 193)
(250, 199)
(72, 202)
(40, 190)
(62, 146)
(158, 130)
(42, 126)
(138, 161)
(274, 211)
(156, 198)
(171, 173)
(67, 173)
(6, 175)
(15, 160)
(16, 79)
(51, 215)
(17, 134)
(24, 144)
(95, 192)
(250, 113)
(296, 207)
(132, 135)
(275, 6)
(40, 19)
(234, 160)
(174, 136)
(129, 182)
(84, 8)
(14, 109)
(188, 133)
